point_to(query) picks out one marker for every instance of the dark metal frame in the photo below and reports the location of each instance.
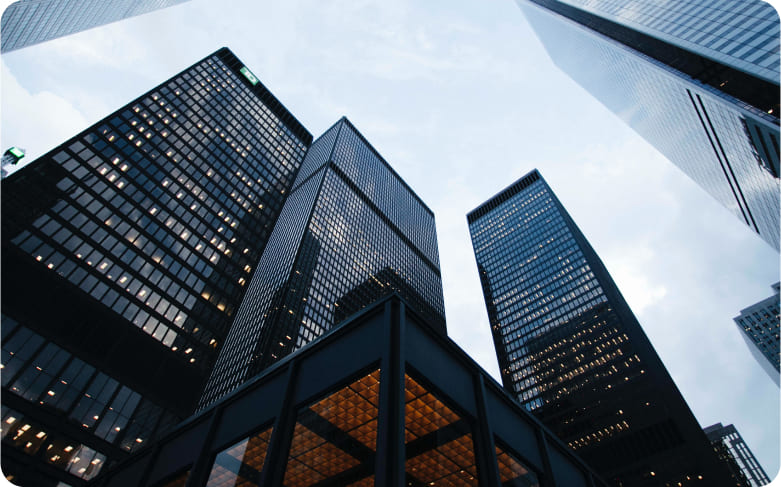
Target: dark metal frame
(389, 335)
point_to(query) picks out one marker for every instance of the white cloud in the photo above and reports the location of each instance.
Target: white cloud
(638, 290)
(53, 119)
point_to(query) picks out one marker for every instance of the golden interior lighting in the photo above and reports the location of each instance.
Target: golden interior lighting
(512, 469)
(424, 412)
(353, 409)
(336, 435)
(452, 461)
(451, 464)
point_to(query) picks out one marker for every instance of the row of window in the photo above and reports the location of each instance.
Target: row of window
(47, 375)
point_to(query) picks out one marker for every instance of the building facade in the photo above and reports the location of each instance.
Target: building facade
(28, 22)
(125, 254)
(697, 80)
(572, 352)
(350, 232)
(384, 400)
(759, 327)
(727, 439)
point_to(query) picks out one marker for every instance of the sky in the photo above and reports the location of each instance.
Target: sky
(462, 100)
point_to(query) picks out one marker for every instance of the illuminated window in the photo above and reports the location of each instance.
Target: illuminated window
(335, 439)
(438, 441)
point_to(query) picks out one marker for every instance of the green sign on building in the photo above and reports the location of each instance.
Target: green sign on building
(248, 74)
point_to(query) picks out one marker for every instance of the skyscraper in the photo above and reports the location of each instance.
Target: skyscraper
(125, 254)
(759, 327)
(572, 352)
(697, 80)
(727, 439)
(350, 232)
(28, 22)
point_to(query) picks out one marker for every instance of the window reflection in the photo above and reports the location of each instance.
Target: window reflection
(242, 463)
(513, 472)
(27, 436)
(335, 439)
(438, 441)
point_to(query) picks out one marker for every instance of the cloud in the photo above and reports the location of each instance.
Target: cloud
(56, 118)
(638, 289)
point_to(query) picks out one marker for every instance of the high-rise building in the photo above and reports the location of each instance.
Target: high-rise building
(350, 232)
(697, 80)
(125, 254)
(573, 353)
(728, 441)
(759, 327)
(28, 22)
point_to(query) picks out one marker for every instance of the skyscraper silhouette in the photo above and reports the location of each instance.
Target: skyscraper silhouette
(571, 350)
(125, 254)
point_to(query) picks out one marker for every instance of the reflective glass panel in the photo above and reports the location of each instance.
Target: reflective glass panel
(242, 463)
(439, 444)
(513, 472)
(335, 439)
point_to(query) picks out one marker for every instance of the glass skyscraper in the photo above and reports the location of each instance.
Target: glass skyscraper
(126, 252)
(28, 22)
(572, 352)
(350, 232)
(759, 327)
(699, 80)
(728, 440)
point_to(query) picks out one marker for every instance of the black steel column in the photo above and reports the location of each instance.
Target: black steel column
(155, 452)
(549, 480)
(485, 450)
(282, 435)
(389, 470)
(202, 466)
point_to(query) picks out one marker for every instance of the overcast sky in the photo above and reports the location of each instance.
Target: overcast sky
(461, 99)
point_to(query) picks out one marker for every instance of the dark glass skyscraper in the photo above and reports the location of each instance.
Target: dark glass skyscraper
(572, 352)
(350, 232)
(698, 80)
(727, 440)
(28, 22)
(759, 326)
(125, 254)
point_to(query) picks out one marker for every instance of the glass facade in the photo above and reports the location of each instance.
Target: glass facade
(740, 33)
(350, 411)
(727, 440)
(351, 232)
(759, 326)
(28, 22)
(572, 352)
(405, 407)
(142, 231)
(712, 118)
